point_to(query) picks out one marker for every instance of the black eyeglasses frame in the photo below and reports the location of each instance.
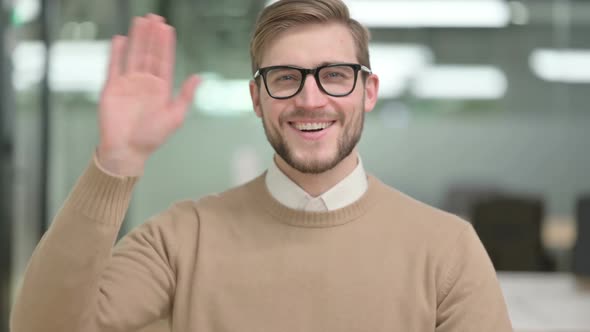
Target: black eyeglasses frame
(261, 72)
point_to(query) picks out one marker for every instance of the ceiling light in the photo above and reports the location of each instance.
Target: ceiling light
(76, 66)
(565, 65)
(26, 10)
(460, 82)
(221, 97)
(429, 13)
(396, 64)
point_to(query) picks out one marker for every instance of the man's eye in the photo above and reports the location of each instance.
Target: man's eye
(286, 78)
(335, 75)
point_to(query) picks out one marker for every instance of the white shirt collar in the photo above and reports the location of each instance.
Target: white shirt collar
(288, 193)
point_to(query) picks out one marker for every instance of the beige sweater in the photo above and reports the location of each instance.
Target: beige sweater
(240, 261)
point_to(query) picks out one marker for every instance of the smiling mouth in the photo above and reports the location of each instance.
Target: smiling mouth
(311, 127)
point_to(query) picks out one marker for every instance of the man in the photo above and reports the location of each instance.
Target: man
(313, 244)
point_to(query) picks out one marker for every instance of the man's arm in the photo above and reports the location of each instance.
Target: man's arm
(470, 297)
(74, 281)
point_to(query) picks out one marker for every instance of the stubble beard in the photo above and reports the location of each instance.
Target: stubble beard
(346, 143)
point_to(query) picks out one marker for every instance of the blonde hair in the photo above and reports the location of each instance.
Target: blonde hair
(285, 14)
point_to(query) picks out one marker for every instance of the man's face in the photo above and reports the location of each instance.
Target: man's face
(312, 131)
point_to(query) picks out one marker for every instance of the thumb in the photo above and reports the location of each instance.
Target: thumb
(181, 103)
(187, 92)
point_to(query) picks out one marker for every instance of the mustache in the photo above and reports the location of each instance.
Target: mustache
(312, 115)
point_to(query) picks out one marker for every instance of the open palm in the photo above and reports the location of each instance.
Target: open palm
(137, 111)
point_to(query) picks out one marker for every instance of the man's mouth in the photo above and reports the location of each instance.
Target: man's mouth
(311, 127)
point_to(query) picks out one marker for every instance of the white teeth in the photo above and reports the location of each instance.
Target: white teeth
(312, 126)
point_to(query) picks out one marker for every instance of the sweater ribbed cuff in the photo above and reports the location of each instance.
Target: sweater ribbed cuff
(101, 196)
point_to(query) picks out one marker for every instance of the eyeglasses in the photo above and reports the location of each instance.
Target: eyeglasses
(336, 80)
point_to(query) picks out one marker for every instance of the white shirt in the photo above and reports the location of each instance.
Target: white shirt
(288, 193)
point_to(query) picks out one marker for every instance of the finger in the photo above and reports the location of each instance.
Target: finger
(118, 46)
(138, 45)
(189, 89)
(158, 40)
(155, 18)
(187, 94)
(165, 67)
(181, 105)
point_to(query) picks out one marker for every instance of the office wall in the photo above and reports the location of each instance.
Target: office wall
(419, 154)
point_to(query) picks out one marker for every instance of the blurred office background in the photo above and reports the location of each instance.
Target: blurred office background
(484, 112)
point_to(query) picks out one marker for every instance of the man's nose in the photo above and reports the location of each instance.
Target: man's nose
(311, 96)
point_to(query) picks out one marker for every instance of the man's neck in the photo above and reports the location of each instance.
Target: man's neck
(317, 184)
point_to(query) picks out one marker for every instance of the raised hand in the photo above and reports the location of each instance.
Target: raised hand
(137, 110)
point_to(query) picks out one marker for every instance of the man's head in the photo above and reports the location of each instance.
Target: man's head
(313, 119)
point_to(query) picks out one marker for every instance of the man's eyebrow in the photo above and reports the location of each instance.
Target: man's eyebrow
(323, 63)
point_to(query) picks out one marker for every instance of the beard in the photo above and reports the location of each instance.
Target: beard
(349, 138)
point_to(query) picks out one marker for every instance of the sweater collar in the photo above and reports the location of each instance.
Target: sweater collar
(259, 193)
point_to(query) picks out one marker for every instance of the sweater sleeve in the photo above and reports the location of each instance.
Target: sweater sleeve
(76, 281)
(470, 297)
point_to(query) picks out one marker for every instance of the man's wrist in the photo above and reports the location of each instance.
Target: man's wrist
(119, 164)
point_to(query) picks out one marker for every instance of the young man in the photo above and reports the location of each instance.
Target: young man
(313, 244)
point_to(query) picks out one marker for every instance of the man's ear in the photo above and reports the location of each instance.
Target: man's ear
(255, 96)
(371, 92)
